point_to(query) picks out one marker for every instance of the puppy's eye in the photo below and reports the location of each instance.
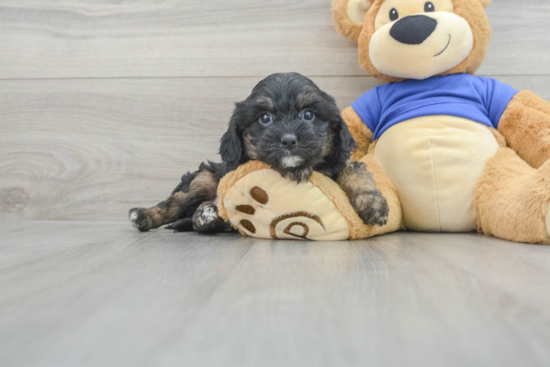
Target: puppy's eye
(429, 7)
(308, 115)
(394, 15)
(266, 119)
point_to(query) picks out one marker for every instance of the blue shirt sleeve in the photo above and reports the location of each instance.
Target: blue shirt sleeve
(369, 108)
(497, 97)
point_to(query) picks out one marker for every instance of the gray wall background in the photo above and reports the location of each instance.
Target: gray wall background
(105, 104)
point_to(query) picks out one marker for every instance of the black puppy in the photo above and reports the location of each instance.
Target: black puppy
(288, 123)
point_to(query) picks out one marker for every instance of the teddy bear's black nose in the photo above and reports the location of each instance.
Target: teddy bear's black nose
(413, 30)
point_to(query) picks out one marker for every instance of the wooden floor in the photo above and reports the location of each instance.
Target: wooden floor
(103, 106)
(103, 294)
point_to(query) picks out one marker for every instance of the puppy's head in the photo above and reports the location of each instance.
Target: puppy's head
(289, 123)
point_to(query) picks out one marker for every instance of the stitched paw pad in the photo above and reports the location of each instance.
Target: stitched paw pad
(265, 205)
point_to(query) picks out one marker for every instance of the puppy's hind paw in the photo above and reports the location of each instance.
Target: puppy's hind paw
(140, 219)
(182, 225)
(207, 220)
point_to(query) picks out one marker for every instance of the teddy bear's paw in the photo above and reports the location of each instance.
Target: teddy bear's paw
(289, 225)
(207, 220)
(140, 219)
(263, 204)
(257, 217)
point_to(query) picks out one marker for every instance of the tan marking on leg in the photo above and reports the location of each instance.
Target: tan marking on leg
(204, 184)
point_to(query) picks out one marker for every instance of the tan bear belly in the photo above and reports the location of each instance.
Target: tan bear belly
(435, 162)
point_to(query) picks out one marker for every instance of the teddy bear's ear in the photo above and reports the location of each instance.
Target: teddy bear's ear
(485, 3)
(349, 16)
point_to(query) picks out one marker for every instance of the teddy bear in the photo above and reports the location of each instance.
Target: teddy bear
(463, 153)
(450, 152)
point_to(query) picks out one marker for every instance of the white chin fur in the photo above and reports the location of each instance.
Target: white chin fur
(291, 162)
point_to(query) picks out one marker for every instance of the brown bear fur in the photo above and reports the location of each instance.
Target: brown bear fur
(471, 10)
(513, 195)
(526, 126)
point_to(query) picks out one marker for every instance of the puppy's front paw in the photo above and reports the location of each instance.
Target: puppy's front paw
(372, 207)
(207, 220)
(140, 219)
(364, 195)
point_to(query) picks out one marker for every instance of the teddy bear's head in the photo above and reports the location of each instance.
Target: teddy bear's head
(415, 39)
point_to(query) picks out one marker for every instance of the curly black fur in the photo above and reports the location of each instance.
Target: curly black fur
(323, 144)
(298, 110)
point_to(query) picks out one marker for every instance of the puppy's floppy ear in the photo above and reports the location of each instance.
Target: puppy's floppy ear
(349, 16)
(342, 146)
(231, 145)
(345, 139)
(344, 143)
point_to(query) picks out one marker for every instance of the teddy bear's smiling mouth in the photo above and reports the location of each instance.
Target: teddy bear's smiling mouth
(448, 43)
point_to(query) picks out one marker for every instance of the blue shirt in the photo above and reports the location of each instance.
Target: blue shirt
(462, 95)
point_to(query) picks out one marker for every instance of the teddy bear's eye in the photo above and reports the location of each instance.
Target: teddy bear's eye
(394, 15)
(429, 7)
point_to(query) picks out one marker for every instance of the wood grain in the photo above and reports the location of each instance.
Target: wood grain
(105, 104)
(105, 295)
(91, 149)
(107, 39)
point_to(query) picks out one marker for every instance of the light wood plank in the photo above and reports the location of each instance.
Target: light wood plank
(36, 246)
(166, 299)
(129, 285)
(74, 39)
(495, 262)
(402, 306)
(92, 149)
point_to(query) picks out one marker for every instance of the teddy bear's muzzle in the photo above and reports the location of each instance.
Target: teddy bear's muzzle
(420, 46)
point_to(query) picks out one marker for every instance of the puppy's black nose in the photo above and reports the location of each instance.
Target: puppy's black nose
(289, 141)
(413, 30)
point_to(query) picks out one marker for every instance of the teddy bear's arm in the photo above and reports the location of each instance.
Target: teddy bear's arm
(360, 132)
(526, 126)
